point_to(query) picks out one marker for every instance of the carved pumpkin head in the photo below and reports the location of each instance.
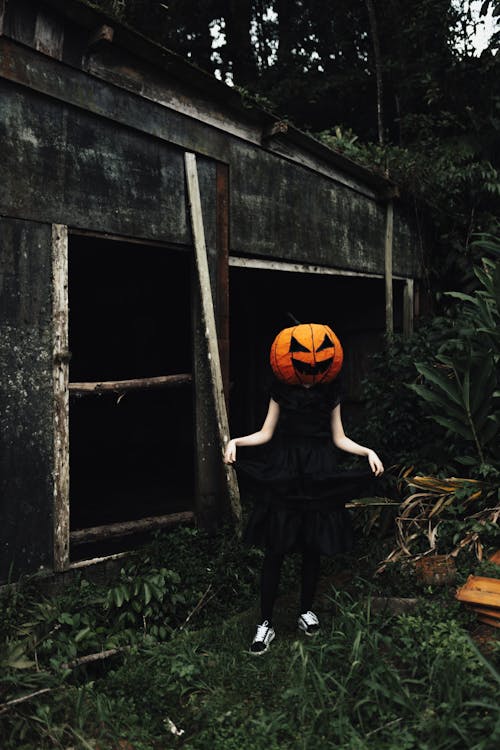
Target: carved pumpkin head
(306, 354)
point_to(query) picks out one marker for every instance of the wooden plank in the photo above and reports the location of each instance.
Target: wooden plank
(208, 478)
(408, 302)
(291, 267)
(389, 228)
(61, 396)
(122, 386)
(495, 558)
(126, 528)
(474, 596)
(210, 331)
(482, 583)
(222, 244)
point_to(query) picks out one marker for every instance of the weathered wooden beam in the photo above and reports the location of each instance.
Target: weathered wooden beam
(208, 478)
(61, 398)
(126, 528)
(222, 244)
(389, 305)
(210, 329)
(122, 386)
(291, 267)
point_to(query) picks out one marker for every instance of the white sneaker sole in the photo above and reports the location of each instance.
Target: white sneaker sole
(264, 650)
(309, 635)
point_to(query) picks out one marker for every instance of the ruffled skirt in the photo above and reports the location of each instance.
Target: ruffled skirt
(300, 496)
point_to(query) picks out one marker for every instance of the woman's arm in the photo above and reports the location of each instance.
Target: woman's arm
(264, 435)
(341, 440)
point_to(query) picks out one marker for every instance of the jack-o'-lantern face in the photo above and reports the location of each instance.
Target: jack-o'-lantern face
(306, 354)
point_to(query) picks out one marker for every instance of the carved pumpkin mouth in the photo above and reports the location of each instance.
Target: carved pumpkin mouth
(304, 368)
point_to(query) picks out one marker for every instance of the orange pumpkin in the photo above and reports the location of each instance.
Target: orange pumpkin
(306, 354)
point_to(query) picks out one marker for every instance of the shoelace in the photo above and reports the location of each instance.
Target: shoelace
(261, 631)
(310, 618)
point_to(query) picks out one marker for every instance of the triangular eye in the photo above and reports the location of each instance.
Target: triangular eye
(296, 346)
(327, 344)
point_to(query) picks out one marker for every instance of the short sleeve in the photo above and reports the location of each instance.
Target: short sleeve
(335, 394)
(276, 391)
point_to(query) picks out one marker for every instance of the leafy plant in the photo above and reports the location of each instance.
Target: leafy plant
(145, 600)
(461, 386)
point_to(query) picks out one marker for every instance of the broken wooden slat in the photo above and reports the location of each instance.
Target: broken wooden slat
(126, 528)
(210, 329)
(137, 384)
(79, 564)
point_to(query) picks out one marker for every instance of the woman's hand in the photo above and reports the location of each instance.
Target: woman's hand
(230, 452)
(376, 464)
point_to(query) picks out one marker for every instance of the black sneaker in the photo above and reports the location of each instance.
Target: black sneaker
(263, 637)
(309, 623)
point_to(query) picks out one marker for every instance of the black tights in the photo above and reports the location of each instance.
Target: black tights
(271, 571)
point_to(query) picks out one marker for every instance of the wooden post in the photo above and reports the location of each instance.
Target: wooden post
(210, 330)
(222, 243)
(61, 396)
(408, 307)
(389, 314)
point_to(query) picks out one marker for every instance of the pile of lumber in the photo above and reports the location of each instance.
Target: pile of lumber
(483, 596)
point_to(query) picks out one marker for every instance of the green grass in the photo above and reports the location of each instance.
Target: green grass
(369, 680)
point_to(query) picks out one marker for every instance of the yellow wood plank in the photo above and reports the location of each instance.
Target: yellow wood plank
(478, 597)
(482, 583)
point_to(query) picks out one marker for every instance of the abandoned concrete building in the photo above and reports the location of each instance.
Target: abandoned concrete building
(155, 231)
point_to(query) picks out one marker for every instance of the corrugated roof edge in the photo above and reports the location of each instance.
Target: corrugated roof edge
(86, 13)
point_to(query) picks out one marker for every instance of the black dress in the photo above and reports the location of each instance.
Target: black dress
(300, 491)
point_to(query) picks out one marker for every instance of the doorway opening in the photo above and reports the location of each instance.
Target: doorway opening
(131, 451)
(260, 300)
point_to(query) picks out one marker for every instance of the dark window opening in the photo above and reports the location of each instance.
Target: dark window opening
(131, 454)
(354, 307)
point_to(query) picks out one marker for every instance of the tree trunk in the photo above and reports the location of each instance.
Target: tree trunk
(370, 6)
(239, 50)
